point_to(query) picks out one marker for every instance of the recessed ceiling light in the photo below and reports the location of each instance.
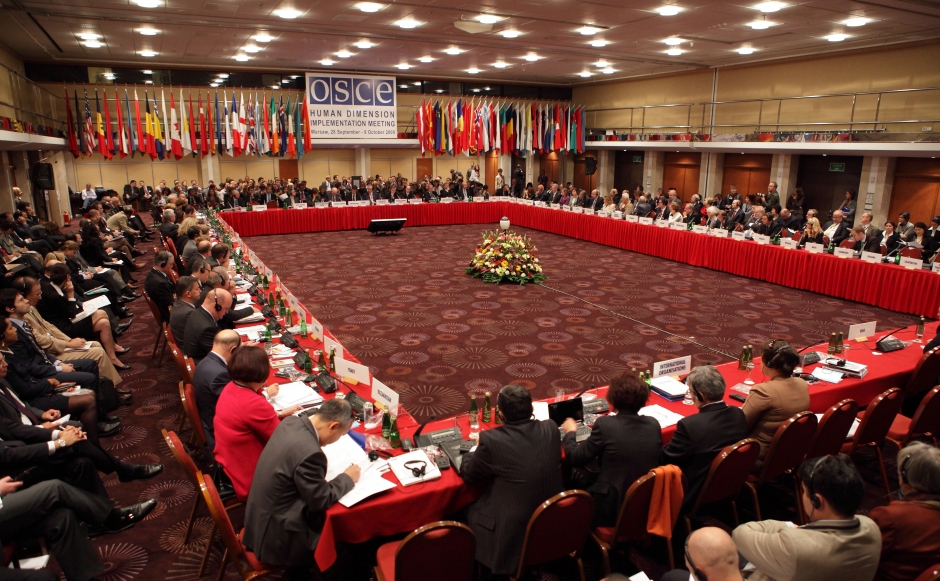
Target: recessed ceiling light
(89, 36)
(147, 72)
(857, 21)
(453, 50)
(213, 85)
(500, 65)
(344, 54)
(673, 41)
(147, 3)
(589, 30)
(109, 75)
(746, 50)
(327, 62)
(489, 18)
(402, 86)
(224, 75)
(438, 90)
(364, 44)
(531, 57)
(147, 53)
(486, 88)
(294, 77)
(838, 37)
(602, 63)
(509, 33)
(263, 37)
(585, 74)
(761, 24)
(408, 23)
(275, 86)
(674, 51)
(370, 6)
(770, 6)
(242, 57)
(669, 10)
(417, 83)
(285, 81)
(473, 71)
(598, 43)
(148, 31)
(92, 44)
(608, 71)
(426, 59)
(403, 66)
(251, 48)
(287, 13)
(476, 90)
(148, 82)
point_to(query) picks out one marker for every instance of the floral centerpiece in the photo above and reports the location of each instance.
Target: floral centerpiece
(506, 256)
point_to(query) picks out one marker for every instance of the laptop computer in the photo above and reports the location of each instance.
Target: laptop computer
(560, 411)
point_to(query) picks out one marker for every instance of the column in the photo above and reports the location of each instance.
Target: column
(711, 174)
(505, 164)
(530, 168)
(653, 169)
(605, 170)
(6, 183)
(783, 170)
(363, 161)
(20, 162)
(874, 192)
(568, 168)
(59, 197)
(209, 169)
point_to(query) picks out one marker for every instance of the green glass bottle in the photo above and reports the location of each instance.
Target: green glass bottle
(750, 354)
(393, 436)
(264, 281)
(332, 360)
(919, 332)
(499, 420)
(742, 360)
(303, 328)
(267, 332)
(321, 362)
(308, 363)
(474, 413)
(839, 343)
(386, 424)
(897, 258)
(690, 226)
(487, 410)
(832, 345)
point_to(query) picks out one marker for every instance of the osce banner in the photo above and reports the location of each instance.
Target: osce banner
(352, 106)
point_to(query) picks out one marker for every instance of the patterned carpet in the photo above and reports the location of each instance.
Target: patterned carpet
(405, 307)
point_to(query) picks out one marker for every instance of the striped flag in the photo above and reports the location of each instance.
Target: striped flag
(176, 144)
(90, 143)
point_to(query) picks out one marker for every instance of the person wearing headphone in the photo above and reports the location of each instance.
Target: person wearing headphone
(158, 285)
(710, 555)
(835, 545)
(203, 324)
(910, 526)
(779, 398)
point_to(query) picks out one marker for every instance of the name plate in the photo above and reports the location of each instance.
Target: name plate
(357, 203)
(632, 218)
(444, 200)
(414, 201)
(539, 204)
(617, 215)
(259, 207)
(862, 330)
(843, 252)
(912, 263)
(299, 205)
(698, 229)
(646, 220)
(662, 223)
(240, 209)
(317, 328)
(814, 248)
(339, 204)
(719, 233)
(936, 266)
(789, 243)
(873, 257)
(566, 208)
(349, 369)
(384, 395)
(321, 205)
(738, 235)
(531, 202)
(761, 239)
(381, 202)
(677, 366)
(578, 210)
(331, 344)
(677, 226)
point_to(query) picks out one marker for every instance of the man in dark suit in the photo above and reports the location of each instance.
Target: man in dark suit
(169, 228)
(662, 210)
(642, 208)
(735, 215)
(158, 285)
(865, 242)
(789, 221)
(699, 438)
(211, 376)
(203, 324)
(465, 192)
(596, 202)
(520, 464)
(187, 293)
(290, 493)
(837, 230)
(518, 180)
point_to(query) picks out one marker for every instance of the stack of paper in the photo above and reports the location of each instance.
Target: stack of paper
(295, 393)
(246, 331)
(668, 387)
(255, 317)
(406, 476)
(665, 417)
(90, 306)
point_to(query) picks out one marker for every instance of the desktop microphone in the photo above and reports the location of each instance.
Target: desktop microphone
(407, 444)
(580, 393)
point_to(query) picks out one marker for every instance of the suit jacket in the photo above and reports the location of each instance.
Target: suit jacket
(284, 514)
(21, 446)
(819, 551)
(200, 332)
(841, 232)
(627, 446)
(58, 309)
(910, 536)
(179, 314)
(209, 379)
(161, 291)
(698, 439)
(642, 209)
(169, 230)
(521, 466)
(119, 222)
(770, 404)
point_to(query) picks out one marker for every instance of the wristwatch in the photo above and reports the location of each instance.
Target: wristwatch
(60, 443)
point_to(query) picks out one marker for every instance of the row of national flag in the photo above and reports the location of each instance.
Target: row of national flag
(176, 128)
(473, 127)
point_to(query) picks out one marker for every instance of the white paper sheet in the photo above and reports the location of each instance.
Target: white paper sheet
(294, 393)
(343, 452)
(540, 410)
(665, 417)
(826, 374)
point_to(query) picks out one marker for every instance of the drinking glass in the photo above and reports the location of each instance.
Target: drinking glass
(750, 369)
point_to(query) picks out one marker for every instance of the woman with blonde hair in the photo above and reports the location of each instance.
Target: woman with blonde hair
(626, 203)
(608, 208)
(812, 232)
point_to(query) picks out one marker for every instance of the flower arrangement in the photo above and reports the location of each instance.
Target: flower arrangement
(505, 255)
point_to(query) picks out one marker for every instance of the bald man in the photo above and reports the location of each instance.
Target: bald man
(211, 376)
(709, 554)
(202, 325)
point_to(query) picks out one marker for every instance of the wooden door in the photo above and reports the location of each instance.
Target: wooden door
(628, 170)
(287, 169)
(916, 189)
(581, 179)
(425, 167)
(824, 188)
(681, 171)
(551, 163)
(750, 172)
(491, 166)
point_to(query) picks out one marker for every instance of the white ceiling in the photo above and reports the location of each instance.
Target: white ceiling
(200, 34)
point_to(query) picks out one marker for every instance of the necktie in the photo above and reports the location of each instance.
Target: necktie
(24, 410)
(32, 339)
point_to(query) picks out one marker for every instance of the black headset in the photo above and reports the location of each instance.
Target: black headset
(903, 469)
(774, 350)
(215, 295)
(810, 487)
(699, 574)
(417, 467)
(166, 259)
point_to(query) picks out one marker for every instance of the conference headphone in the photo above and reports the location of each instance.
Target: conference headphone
(166, 259)
(903, 469)
(698, 573)
(810, 486)
(215, 295)
(417, 467)
(376, 454)
(774, 351)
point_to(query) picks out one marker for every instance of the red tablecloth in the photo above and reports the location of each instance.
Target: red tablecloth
(881, 285)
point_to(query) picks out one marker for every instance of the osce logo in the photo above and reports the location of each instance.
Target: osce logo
(368, 91)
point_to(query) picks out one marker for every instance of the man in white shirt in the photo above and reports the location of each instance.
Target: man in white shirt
(836, 545)
(89, 195)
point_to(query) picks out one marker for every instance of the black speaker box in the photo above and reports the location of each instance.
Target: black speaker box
(42, 176)
(590, 166)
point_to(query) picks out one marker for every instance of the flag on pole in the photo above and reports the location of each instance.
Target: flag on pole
(99, 129)
(131, 140)
(186, 144)
(242, 124)
(298, 129)
(252, 144)
(203, 134)
(306, 115)
(281, 127)
(291, 145)
(148, 128)
(159, 138)
(176, 143)
(90, 143)
(219, 146)
(142, 144)
(273, 137)
(236, 128)
(73, 142)
(108, 135)
(228, 124)
(191, 121)
(121, 142)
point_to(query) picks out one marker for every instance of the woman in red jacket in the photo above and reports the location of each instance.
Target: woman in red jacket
(244, 418)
